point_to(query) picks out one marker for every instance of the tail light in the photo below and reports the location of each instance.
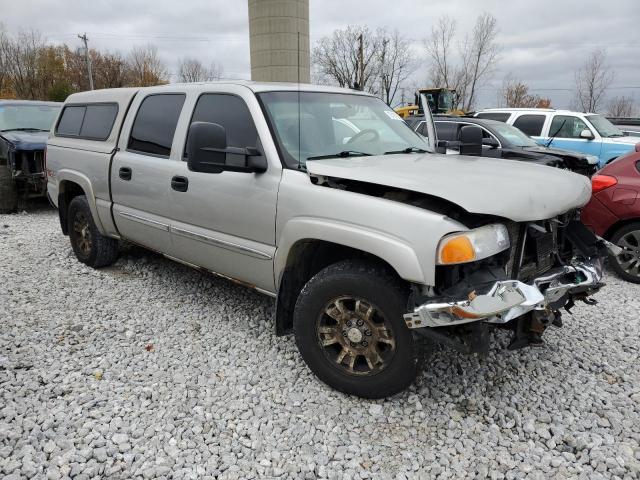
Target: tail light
(601, 182)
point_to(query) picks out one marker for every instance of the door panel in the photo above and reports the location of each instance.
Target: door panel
(141, 205)
(225, 222)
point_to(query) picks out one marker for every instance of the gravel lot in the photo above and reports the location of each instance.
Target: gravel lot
(149, 369)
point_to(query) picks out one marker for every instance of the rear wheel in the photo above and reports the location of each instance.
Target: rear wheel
(8, 191)
(90, 246)
(627, 263)
(350, 331)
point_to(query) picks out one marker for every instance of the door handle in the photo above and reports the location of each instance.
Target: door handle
(180, 184)
(125, 173)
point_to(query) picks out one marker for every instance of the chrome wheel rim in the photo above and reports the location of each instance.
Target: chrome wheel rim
(355, 336)
(82, 233)
(629, 258)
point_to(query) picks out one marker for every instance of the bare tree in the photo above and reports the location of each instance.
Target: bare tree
(145, 67)
(475, 60)
(336, 57)
(622, 107)
(110, 70)
(438, 46)
(192, 70)
(479, 56)
(592, 80)
(515, 94)
(395, 65)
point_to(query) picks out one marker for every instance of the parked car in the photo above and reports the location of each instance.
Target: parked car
(24, 127)
(579, 132)
(367, 241)
(500, 140)
(614, 212)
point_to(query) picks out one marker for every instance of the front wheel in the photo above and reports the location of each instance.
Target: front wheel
(627, 263)
(349, 329)
(90, 246)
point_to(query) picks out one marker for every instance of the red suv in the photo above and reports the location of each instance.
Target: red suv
(614, 211)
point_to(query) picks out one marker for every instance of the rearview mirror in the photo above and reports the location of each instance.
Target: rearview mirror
(207, 152)
(490, 142)
(471, 140)
(586, 133)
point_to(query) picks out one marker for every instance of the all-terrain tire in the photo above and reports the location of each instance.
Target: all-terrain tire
(376, 287)
(90, 246)
(627, 236)
(8, 191)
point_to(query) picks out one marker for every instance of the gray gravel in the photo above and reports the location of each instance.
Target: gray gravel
(149, 369)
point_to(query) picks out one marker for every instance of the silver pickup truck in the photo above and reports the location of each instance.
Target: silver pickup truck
(324, 199)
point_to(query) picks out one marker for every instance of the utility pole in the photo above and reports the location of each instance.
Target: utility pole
(87, 58)
(361, 62)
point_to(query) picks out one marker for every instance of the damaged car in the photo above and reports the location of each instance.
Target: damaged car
(326, 200)
(24, 128)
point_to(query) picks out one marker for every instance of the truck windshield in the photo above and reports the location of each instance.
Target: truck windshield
(604, 127)
(27, 117)
(324, 124)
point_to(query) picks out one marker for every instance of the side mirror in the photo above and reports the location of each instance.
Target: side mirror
(587, 134)
(207, 151)
(490, 142)
(471, 140)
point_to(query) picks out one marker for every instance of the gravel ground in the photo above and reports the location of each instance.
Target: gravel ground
(149, 369)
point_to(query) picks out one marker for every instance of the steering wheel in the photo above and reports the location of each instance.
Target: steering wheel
(367, 131)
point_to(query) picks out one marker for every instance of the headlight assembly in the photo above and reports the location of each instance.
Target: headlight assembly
(472, 245)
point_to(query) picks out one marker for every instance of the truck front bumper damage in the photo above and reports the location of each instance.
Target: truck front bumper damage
(510, 299)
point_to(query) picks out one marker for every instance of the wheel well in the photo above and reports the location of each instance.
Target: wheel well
(616, 226)
(305, 259)
(67, 191)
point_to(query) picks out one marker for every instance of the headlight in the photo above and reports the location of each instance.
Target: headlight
(473, 245)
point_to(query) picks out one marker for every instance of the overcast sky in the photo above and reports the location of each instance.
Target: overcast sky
(541, 42)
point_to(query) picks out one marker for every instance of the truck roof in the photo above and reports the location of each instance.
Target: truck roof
(533, 110)
(121, 94)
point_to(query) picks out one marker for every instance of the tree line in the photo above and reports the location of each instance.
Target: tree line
(32, 69)
(377, 61)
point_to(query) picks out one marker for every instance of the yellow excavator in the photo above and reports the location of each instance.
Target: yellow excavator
(441, 101)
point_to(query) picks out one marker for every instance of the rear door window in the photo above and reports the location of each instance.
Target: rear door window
(155, 124)
(530, 124)
(447, 130)
(500, 117)
(71, 120)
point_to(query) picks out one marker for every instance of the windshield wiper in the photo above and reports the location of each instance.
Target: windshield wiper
(344, 153)
(553, 137)
(407, 150)
(24, 129)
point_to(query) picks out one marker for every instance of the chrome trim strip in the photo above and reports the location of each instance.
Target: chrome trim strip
(234, 247)
(146, 221)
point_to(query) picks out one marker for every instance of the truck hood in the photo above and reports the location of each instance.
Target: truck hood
(515, 190)
(26, 140)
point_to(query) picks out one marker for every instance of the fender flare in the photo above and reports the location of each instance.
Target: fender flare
(393, 250)
(66, 175)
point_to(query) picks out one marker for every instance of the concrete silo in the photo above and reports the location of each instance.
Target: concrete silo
(279, 39)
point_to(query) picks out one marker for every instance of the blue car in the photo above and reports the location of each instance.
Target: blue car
(587, 133)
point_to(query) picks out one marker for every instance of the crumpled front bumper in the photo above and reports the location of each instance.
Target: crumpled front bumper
(510, 299)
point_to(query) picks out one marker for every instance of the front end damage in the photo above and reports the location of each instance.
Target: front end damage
(549, 266)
